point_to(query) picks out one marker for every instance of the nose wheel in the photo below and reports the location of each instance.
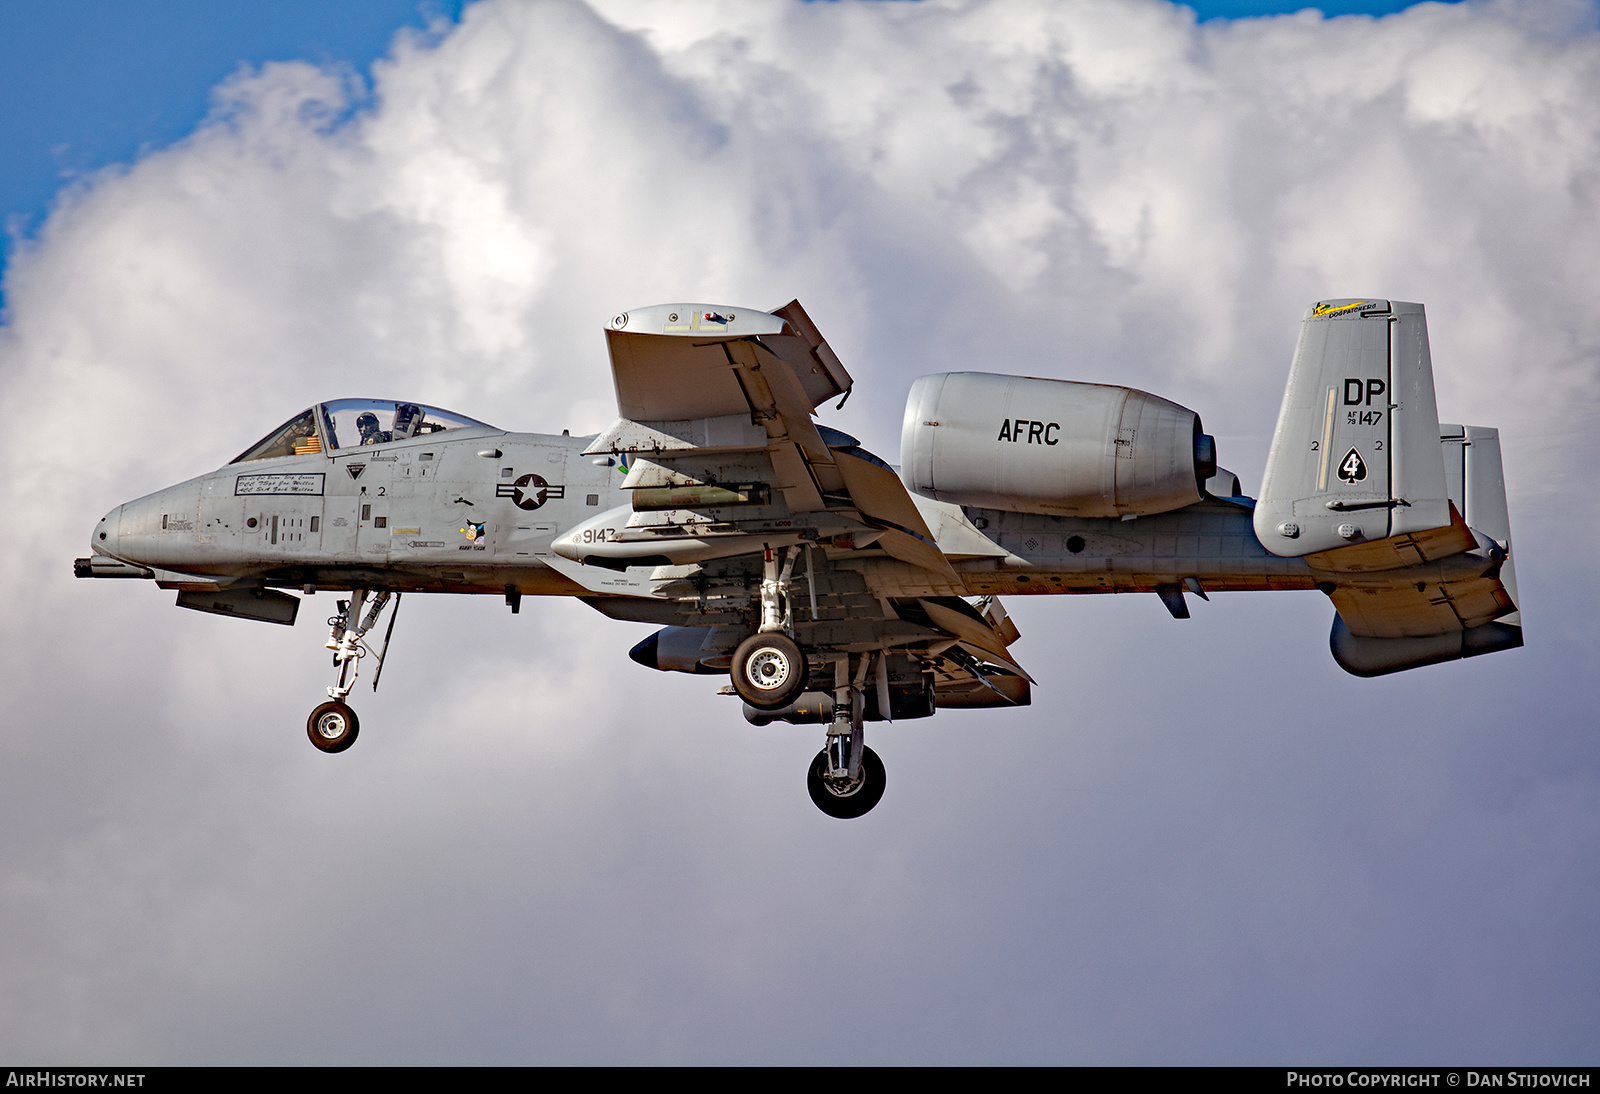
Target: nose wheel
(333, 727)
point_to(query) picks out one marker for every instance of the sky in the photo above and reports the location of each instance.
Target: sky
(1202, 843)
(92, 83)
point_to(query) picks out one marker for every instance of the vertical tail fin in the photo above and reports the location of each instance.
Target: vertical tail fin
(1356, 460)
(1476, 481)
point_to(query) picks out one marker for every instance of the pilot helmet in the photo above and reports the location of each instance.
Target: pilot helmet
(367, 424)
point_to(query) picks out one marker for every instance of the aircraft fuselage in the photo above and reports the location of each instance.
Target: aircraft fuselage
(478, 512)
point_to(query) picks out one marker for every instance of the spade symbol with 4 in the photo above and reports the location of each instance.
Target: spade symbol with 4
(1352, 468)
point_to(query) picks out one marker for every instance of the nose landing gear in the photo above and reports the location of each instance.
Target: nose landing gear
(333, 726)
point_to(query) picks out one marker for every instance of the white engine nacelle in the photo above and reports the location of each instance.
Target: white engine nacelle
(1059, 447)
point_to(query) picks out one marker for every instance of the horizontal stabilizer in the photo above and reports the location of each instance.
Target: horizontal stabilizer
(1407, 609)
(1456, 607)
(1395, 552)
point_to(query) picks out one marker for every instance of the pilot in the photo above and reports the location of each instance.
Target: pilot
(367, 424)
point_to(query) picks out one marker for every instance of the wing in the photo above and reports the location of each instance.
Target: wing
(718, 400)
(730, 478)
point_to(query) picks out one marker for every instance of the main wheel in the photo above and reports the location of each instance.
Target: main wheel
(846, 800)
(769, 671)
(332, 727)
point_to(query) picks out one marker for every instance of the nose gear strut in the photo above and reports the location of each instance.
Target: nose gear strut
(332, 727)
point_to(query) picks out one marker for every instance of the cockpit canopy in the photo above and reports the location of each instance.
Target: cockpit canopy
(352, 423)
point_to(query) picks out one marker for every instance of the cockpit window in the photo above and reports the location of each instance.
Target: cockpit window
(296, 437)
(351, 423)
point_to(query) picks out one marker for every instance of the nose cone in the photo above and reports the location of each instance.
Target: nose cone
(132, 531)
(158, 530)
(104, 539)
(139, 528)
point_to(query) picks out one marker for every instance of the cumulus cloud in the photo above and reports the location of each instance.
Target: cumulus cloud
(1201, 843)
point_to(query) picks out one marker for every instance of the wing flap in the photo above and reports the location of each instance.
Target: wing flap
(917, 552)
(794, 479)
(970, 628)
(776, 398)
(998, 690)
(882, 500)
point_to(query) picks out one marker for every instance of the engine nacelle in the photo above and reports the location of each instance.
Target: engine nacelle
(1058, 447)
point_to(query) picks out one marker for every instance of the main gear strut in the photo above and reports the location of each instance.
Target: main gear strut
(847, 778)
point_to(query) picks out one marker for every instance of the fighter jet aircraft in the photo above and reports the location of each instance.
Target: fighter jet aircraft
(831, 588)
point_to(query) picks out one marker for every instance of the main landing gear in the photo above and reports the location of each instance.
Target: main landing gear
(847, 779)
(769, 669)
(333, 726)
(770, 672)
